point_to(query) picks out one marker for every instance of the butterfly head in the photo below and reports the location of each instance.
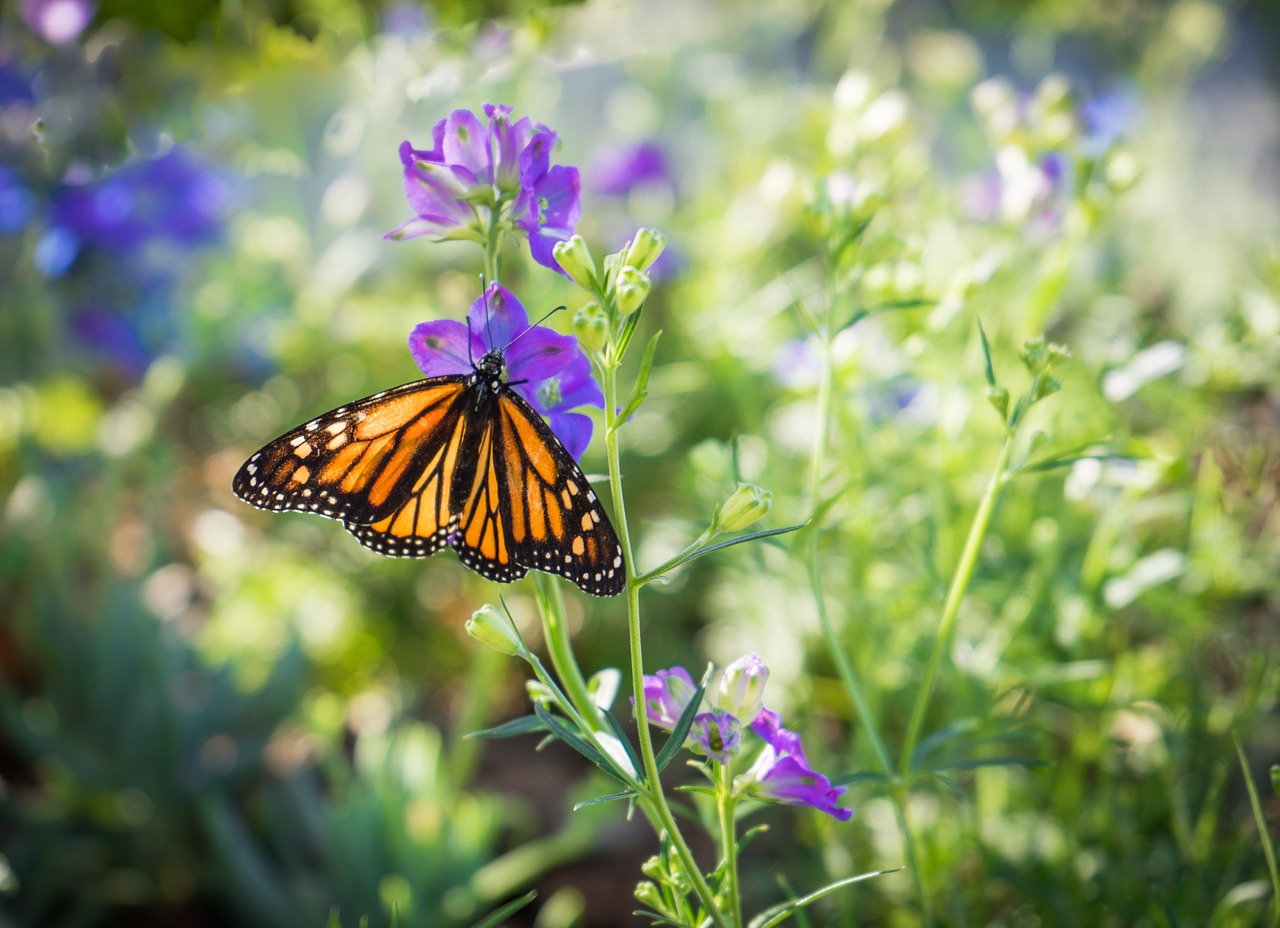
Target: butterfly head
(490, 370)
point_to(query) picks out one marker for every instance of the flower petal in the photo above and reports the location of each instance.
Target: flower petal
(574, 431)
(466, 143)
(495, 321)
(440, 347)
(539, 355)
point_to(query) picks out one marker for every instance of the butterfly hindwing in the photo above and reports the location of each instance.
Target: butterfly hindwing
(553, 520)
(358, 462)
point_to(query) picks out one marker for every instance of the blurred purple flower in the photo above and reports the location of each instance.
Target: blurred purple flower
(16, 203)
(782, 773)
(617, 169)
(472, 171)
(57, 21)
(546, 368)
(1106, 119)
(172, 200)
(114, 336)
(407, 19)
(717, 734)
(666, 694)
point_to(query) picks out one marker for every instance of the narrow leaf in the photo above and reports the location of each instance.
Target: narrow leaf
(611, 797)
(862, 776)
(640, 391)
(729, 543)
(776, 915)
(498, 916)
(973, 763)
(628, 330)
(683, 724)
(1268, 847)
(986, 356)
(522, 726)
(621, 735)
(564, 733)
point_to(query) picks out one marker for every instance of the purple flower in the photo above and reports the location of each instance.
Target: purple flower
(57, 21)
(618, 169)
(666, 694)
(1106, 119)
(473, 171)
(782, 773)
(16, 202)
(171, 200)
(741, 690)
(546, 368)
(717, 734)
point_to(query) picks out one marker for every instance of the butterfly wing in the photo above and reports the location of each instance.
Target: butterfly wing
(530, 505)
(359, 462)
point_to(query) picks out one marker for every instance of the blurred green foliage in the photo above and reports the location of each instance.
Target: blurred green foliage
(210, 714)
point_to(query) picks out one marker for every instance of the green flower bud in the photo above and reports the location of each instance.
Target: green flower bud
(632, 289)
(644, 249)
(747, 504)
(1046, 386)
(649, 895)
(998, 397)
(575, 259)
(591, 325)
(494, 630)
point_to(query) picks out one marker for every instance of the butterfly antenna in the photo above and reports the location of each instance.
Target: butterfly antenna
(534, 326)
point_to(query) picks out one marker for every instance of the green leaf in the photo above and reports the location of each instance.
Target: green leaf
(621, 735)
(973, 763)
(1275, 778)
(628, 330)
(561, 730)
(683, 724)
(986, 356)
(611, 797)
(862, 776)
(522, 726)
(749, 835)
(1260, 818)
(639, 392)
(1068, 458)
(497, 916)
(729, 543)
(776, 915)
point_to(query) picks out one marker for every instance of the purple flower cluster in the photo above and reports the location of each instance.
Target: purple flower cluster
(475, 173)
(546, 368)
(129, 235)
(780, 773)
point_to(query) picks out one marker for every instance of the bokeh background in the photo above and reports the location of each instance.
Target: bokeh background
(210, 715)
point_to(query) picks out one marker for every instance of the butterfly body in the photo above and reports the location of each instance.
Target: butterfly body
(460, 461)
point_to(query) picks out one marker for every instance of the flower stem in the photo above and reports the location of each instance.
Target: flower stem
(959, 585)
(848, 674)
(652, 782)
(555, 629)
(729, 839)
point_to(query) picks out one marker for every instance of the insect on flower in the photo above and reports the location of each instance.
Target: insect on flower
(462, 459)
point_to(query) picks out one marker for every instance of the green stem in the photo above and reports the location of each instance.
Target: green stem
(555, 629)
(653, 783)
(729, 840)
(844, 666)
(955, 595)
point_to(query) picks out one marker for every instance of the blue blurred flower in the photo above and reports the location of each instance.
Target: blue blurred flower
(1106, 119)
(474, 171)
(404, 19)
(57, 21)
(172, 200)
(16, 202)
(546, 368)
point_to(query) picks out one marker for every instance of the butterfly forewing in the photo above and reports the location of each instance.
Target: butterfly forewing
(358, 462)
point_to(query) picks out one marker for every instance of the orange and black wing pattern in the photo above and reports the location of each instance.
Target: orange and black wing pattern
(528, 504)
(445, 462)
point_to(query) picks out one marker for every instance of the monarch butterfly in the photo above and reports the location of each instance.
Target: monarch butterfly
(459, 461)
